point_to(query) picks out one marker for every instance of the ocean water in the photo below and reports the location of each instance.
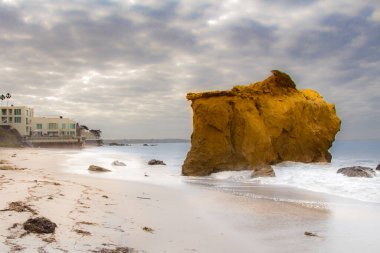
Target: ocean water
(136, 158)
(320, 177)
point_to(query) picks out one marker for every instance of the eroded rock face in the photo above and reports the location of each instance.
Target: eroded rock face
(357, 171)
(262, 123)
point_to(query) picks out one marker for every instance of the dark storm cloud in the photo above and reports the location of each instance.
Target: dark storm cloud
(246, 36)
(125, 67)
(162, 12)
(341, 32)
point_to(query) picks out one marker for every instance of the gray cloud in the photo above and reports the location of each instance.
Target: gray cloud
(126, 67)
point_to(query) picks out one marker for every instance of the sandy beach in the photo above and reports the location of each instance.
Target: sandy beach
(94, 214)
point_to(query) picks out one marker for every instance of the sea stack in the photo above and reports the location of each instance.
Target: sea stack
(262, 123)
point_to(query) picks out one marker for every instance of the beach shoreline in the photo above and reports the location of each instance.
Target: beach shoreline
(92, 213)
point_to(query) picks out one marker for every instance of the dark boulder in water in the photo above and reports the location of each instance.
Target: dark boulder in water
(262, 171)
(116, 144)
(156, 162)
(357, 171)
(378, 167)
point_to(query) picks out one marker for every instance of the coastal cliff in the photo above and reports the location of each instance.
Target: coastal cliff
(263, 123)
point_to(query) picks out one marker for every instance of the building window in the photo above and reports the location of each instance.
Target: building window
(53, 125)
(4, 120)
(17, 111)
(39, 126)
(72, 126)
(10, 120)
(17, 119)
(10, 111)
(63, 126)
(4, 111)
(72, 133)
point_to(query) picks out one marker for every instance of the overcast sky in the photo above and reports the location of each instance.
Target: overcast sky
(125, 66)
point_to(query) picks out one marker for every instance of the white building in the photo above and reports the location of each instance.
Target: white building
(17, 117)
(54, 127)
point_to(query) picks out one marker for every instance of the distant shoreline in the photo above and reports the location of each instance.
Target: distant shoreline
(137, 141)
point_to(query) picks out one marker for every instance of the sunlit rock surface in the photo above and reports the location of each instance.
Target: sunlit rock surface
(262, 123)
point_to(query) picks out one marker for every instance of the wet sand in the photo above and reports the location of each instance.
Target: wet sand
(93, 213)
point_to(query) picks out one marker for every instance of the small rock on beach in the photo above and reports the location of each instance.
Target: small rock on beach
(310, 234)
(97, 168)
(118, 163)
(148, 229)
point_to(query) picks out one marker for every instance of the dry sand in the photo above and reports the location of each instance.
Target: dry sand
(93, 213)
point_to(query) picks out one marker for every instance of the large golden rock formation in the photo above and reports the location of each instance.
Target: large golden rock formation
(262, 123)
